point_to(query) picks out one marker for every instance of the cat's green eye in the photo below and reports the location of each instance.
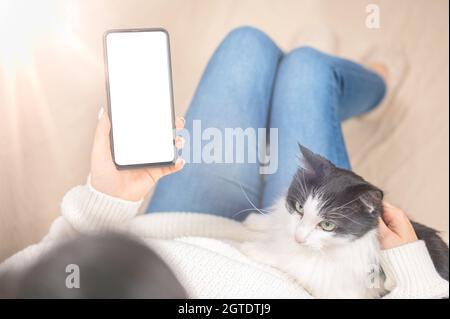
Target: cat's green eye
(327, 226)
(299, 208)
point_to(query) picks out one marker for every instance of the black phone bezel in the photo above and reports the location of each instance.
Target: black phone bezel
(172, 108)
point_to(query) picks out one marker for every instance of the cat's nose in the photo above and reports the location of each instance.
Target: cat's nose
(300, 239)
(301, 234)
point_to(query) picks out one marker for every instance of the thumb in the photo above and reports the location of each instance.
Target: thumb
(179, 164)
(167, 170)
(101, 147)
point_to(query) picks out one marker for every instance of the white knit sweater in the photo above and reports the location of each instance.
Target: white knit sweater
(201, 251)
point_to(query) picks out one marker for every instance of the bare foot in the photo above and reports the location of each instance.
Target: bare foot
(381, 69)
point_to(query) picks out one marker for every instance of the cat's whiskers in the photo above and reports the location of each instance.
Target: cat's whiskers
(346, 204)
(339, 215)
(252, 209)
(319, 193)
(298, 197)
(251, 203)
(302, 185)
(351, 209)
(293, 198)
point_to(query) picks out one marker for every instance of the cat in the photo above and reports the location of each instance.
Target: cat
(324, 232)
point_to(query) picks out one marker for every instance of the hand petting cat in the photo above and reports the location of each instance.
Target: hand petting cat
(395, 229)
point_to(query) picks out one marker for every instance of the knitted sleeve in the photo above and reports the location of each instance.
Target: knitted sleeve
(410, 273)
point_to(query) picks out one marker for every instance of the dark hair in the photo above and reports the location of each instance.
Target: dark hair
(110, 266)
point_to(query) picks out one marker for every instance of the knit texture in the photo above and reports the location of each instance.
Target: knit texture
(202, 250)
(410, 272)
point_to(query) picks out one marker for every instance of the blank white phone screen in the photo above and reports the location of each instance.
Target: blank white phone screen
(140, 97)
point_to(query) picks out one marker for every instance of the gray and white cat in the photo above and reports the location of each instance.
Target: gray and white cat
(324, 233)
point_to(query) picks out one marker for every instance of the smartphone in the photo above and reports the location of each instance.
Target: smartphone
(140, 97)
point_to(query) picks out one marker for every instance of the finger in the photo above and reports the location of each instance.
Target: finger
(101, 139)
(179, 164)
(154, 174)
(179, 142)
(386, 204)
(157, 173)
(167, 170)
(387, 212)
(390, 206)
(397, 221)
(383, 229)
(179, 123)
(391, 214)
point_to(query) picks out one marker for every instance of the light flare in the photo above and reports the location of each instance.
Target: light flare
(26, 25)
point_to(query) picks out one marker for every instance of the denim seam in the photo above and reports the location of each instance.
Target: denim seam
(336, 121)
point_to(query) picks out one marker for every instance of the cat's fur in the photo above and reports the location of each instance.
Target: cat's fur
(344, 262)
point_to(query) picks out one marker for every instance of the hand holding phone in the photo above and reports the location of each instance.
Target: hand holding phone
(129, 184)
(140, 99)
(134, 142)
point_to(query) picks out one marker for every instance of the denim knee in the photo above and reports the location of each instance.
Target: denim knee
(249, 42)
(249, 59)
(309, 77)
(314, 68)
(248, 37)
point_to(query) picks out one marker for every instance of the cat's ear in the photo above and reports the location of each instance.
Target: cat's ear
(369, 195)
(373, 200)
(314, 163)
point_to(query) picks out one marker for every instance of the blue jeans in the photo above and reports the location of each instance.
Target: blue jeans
(249, 82)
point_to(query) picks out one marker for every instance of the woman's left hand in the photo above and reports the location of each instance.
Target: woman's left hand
(394, 228)
(131, 184)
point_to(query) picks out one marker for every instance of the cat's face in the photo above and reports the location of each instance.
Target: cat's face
(330, 206)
